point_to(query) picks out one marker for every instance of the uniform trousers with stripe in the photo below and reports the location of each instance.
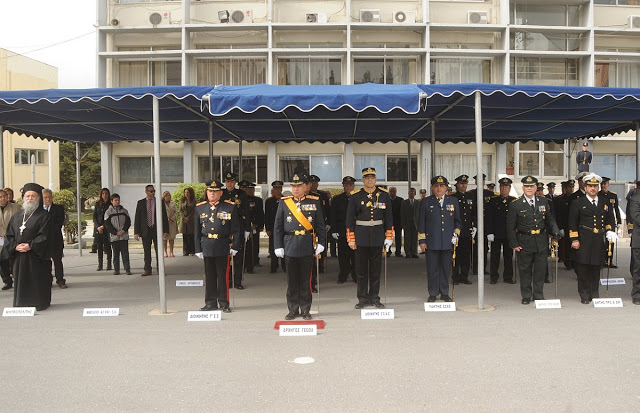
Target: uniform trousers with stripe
(438, 267)
(368, 262)
(215, 270)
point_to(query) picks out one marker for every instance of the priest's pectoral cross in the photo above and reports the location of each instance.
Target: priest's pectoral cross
(22, 228)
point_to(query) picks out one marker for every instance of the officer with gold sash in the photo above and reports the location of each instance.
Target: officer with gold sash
(369, 227)
(217, 225)
(299, 234)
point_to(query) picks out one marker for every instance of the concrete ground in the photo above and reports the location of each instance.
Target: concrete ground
(516, 358)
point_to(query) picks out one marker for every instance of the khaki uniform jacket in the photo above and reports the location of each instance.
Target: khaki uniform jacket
(5, 216)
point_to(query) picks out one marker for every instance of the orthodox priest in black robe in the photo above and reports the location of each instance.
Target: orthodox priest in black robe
(27, 245)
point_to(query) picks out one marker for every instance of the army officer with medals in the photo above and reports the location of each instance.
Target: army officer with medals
(438, 230)
(217, 225)
(299, 234)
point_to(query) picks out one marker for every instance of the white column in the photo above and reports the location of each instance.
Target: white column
(479, 201)
(160, 229)
(501, 160)
(50, 160)
(272, 162)
(425, 165)
(106, 166)
(79, 198)
(187, 162)
(348, 160)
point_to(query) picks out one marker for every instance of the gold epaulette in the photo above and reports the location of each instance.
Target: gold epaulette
(201, 203)
(383, 189)
(518, 198)
(573, 234)
(229, 202)
(611, 192)
(314, 197)
(355, 191)
(421, 236)
(456, 231)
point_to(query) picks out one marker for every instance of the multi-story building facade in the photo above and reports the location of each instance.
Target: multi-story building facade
(293, 42)
(19, 72)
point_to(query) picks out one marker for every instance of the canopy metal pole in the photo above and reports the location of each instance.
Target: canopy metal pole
(479, 200)
(433, 149)
(1, 157)
(160, 229)
(408, 165)
(211, 151)
(637, 151)
(78, 198)
(240, 178)
(33, 168)
(50, 165)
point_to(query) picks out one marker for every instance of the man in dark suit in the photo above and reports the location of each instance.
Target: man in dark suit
(409, 214)
(255, 215)
(438, 230)
(466, 202)
(561, 211)
(497, 211)
(633, 218)
(612, 198)
(270, 208)
(591, 220)
(241, 200)
(54, 239)
(529, 225)
(145, 225)
(396, 206)
(346, 256)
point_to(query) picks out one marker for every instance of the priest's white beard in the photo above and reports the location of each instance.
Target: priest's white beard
(29, 207)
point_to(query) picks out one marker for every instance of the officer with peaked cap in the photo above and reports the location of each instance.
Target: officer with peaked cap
(299, 235)
(529, 225)
(591, 225)
(497, 211)
(486, 196)
(217, 226)
(241, 200)
(561, 210)
(584, 158)
(369, 227)
(323, 197)
(551, 188)
(255, 215)
(338, 223)
(615, 206)
(466, 202)
(438, 231)
(270, 208)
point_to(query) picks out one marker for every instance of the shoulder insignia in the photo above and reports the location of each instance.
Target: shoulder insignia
(285, 197)
(611, 192)
(201, 203)
(314, 197)
(355, 191)
(383, 189)
(228, 201)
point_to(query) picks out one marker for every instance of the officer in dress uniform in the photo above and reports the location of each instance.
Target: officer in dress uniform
(338, 222)
(529, 224)
(466, 202)
(255, 215)
(561, 210)
(369, 227)
(217, 225)
(551, 189)
(591, 225)
(614, 205)
(486, 196)
(497, 211)
(299, 234)
(241, 200)
(438, 231)
(583, 158)
(540, 192)
(326, 213)
(270, 208)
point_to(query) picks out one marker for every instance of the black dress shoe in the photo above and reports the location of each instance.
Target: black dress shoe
(613, 266)
(226, 309)
(209, 307)
(340, 281)
(583, 301)
(314, 290)
(62, 285)
(547, 281)
(129, 272)
(361, 305)
(415, 256)
(378, 304)
(239, 287)
(306, 316)
(116, 273)
(509, 281)
(636, 301)
(446, 298)
(399, 255)
(493, 282)
(7, 286)
(526, 301)
(290, 316)
(468, 282)
(431, 299)
(99, 268)
(42, 308)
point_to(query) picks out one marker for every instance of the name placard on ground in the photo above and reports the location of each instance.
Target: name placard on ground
(204, 316)
(548, 304)
(613, 281)
(298, 330)
(607, 302)
(440, 306)
(189, 283)
(18, 311)
(386, 314)
(101, 312)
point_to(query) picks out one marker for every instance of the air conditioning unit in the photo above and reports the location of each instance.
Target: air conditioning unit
(241, 16)
(316, 17)
(370, 15)
(477, 17)
(157, 18)
(404, 17)
(634, 22)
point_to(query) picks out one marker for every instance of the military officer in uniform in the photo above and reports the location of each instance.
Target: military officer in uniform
(486, 196)
(551, 189)
(326, 213)
(591, 225)
(529, 225)
(466, 202)
(561, 211)
(299, 235)
(583, 158)
(614, 205)
(497, 211)
(369, 227)
(346, 256)
(255, 215)
(217, 225)
(581, 191)
(241, 200)
(270, 208)
(438, 231)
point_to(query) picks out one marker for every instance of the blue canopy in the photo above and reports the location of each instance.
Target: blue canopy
(358, 113)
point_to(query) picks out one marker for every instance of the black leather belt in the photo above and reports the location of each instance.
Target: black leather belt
(217, 236)
(532, 232)
(594, 230)
(297, 232)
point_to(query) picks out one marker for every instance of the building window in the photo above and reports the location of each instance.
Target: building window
(529, 158)
(545, 15)
(327, 167)
(23, 156)
(291, 165)
(389, 168)
(621, 168)
(147, 73)
(374, 161)
(453, 165)
(618, 2)
(533, 155)
(605, 165)
(310, 71)
(458, 70)
(543, 71)
(617, 74)
(139, 170)
(544, 41)
(232, 72)
(254, 168)
(553, 155)
(390, 71)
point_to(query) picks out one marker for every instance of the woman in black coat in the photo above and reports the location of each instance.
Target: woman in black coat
(102, 235)
(187, 212)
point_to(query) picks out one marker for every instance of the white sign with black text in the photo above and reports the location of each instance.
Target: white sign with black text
(613, 281)
(386, 314)
(607, 302)
(204, 316)
(298, 330)
(189, 283)
(101, 312)
(548, 304)
(18, 311)
(440, 306)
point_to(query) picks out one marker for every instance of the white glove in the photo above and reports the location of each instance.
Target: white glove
(328, 227)
(246, 235)
(200, 255)
(454, 240)
(319, 249)
(232, 252)
(474, 231)
(387, 244)
(491, 237)
(254, 232)
(335, 235)
(612, 236)
(279, 252)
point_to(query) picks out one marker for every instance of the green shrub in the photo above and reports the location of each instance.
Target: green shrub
(71, 229)
(66, 198)
(177, 195)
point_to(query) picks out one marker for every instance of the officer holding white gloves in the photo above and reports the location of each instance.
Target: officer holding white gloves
(217, 226)
(299, 234)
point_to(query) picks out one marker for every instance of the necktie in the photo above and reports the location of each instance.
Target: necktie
(412, 202)
(532, 204)
(150, 212)
(594, 202)
(440, 202)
